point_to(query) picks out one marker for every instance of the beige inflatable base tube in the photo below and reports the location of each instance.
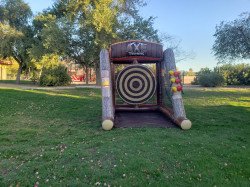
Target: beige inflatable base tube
(186, 124)
(107, 124)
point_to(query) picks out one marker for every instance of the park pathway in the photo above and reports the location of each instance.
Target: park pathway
(35, 87)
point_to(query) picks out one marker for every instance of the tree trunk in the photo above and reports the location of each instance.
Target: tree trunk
(98, 76)
(90, 74)
(18, 76)
(87, 75)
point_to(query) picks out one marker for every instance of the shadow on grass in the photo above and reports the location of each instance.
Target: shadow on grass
(70, 107)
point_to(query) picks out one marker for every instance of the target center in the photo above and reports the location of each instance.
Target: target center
(136, 84)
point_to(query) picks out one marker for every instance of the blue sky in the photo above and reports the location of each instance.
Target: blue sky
(191, 21)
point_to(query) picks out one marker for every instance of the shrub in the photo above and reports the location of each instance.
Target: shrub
(195, 81)
(238, 74)
(34, 77)
(55, 76)
(209, 78)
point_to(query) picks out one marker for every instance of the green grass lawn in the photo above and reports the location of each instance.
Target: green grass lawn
(14, 81)
(55, 138)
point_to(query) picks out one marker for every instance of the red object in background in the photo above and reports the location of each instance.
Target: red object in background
(81, 78)
(177, 81)
(179, 88)
(77, 78)
(177, 73)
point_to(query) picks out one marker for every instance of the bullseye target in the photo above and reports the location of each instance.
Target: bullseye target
(136, 84)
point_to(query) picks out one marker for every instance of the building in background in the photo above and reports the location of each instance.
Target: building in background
(3, 69)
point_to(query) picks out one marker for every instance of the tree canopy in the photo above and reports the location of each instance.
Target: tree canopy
(232, 39)
(15, 32)
(97, 24)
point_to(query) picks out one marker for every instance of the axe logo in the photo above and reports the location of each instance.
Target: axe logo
(136, 49)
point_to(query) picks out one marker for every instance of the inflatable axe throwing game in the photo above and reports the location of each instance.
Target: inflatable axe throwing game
(140, 85)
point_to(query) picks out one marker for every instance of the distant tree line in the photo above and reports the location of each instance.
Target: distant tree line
(226, 74)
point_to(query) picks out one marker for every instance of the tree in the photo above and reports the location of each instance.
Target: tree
(190, 72)
(72, 41)
(15, 32)
(209, 78)
(233, 39)
(51, 42)
(99, 23)
(137, 28)
(52, 36)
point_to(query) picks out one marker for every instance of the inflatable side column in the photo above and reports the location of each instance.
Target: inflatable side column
(174, 88)
(107, 97)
